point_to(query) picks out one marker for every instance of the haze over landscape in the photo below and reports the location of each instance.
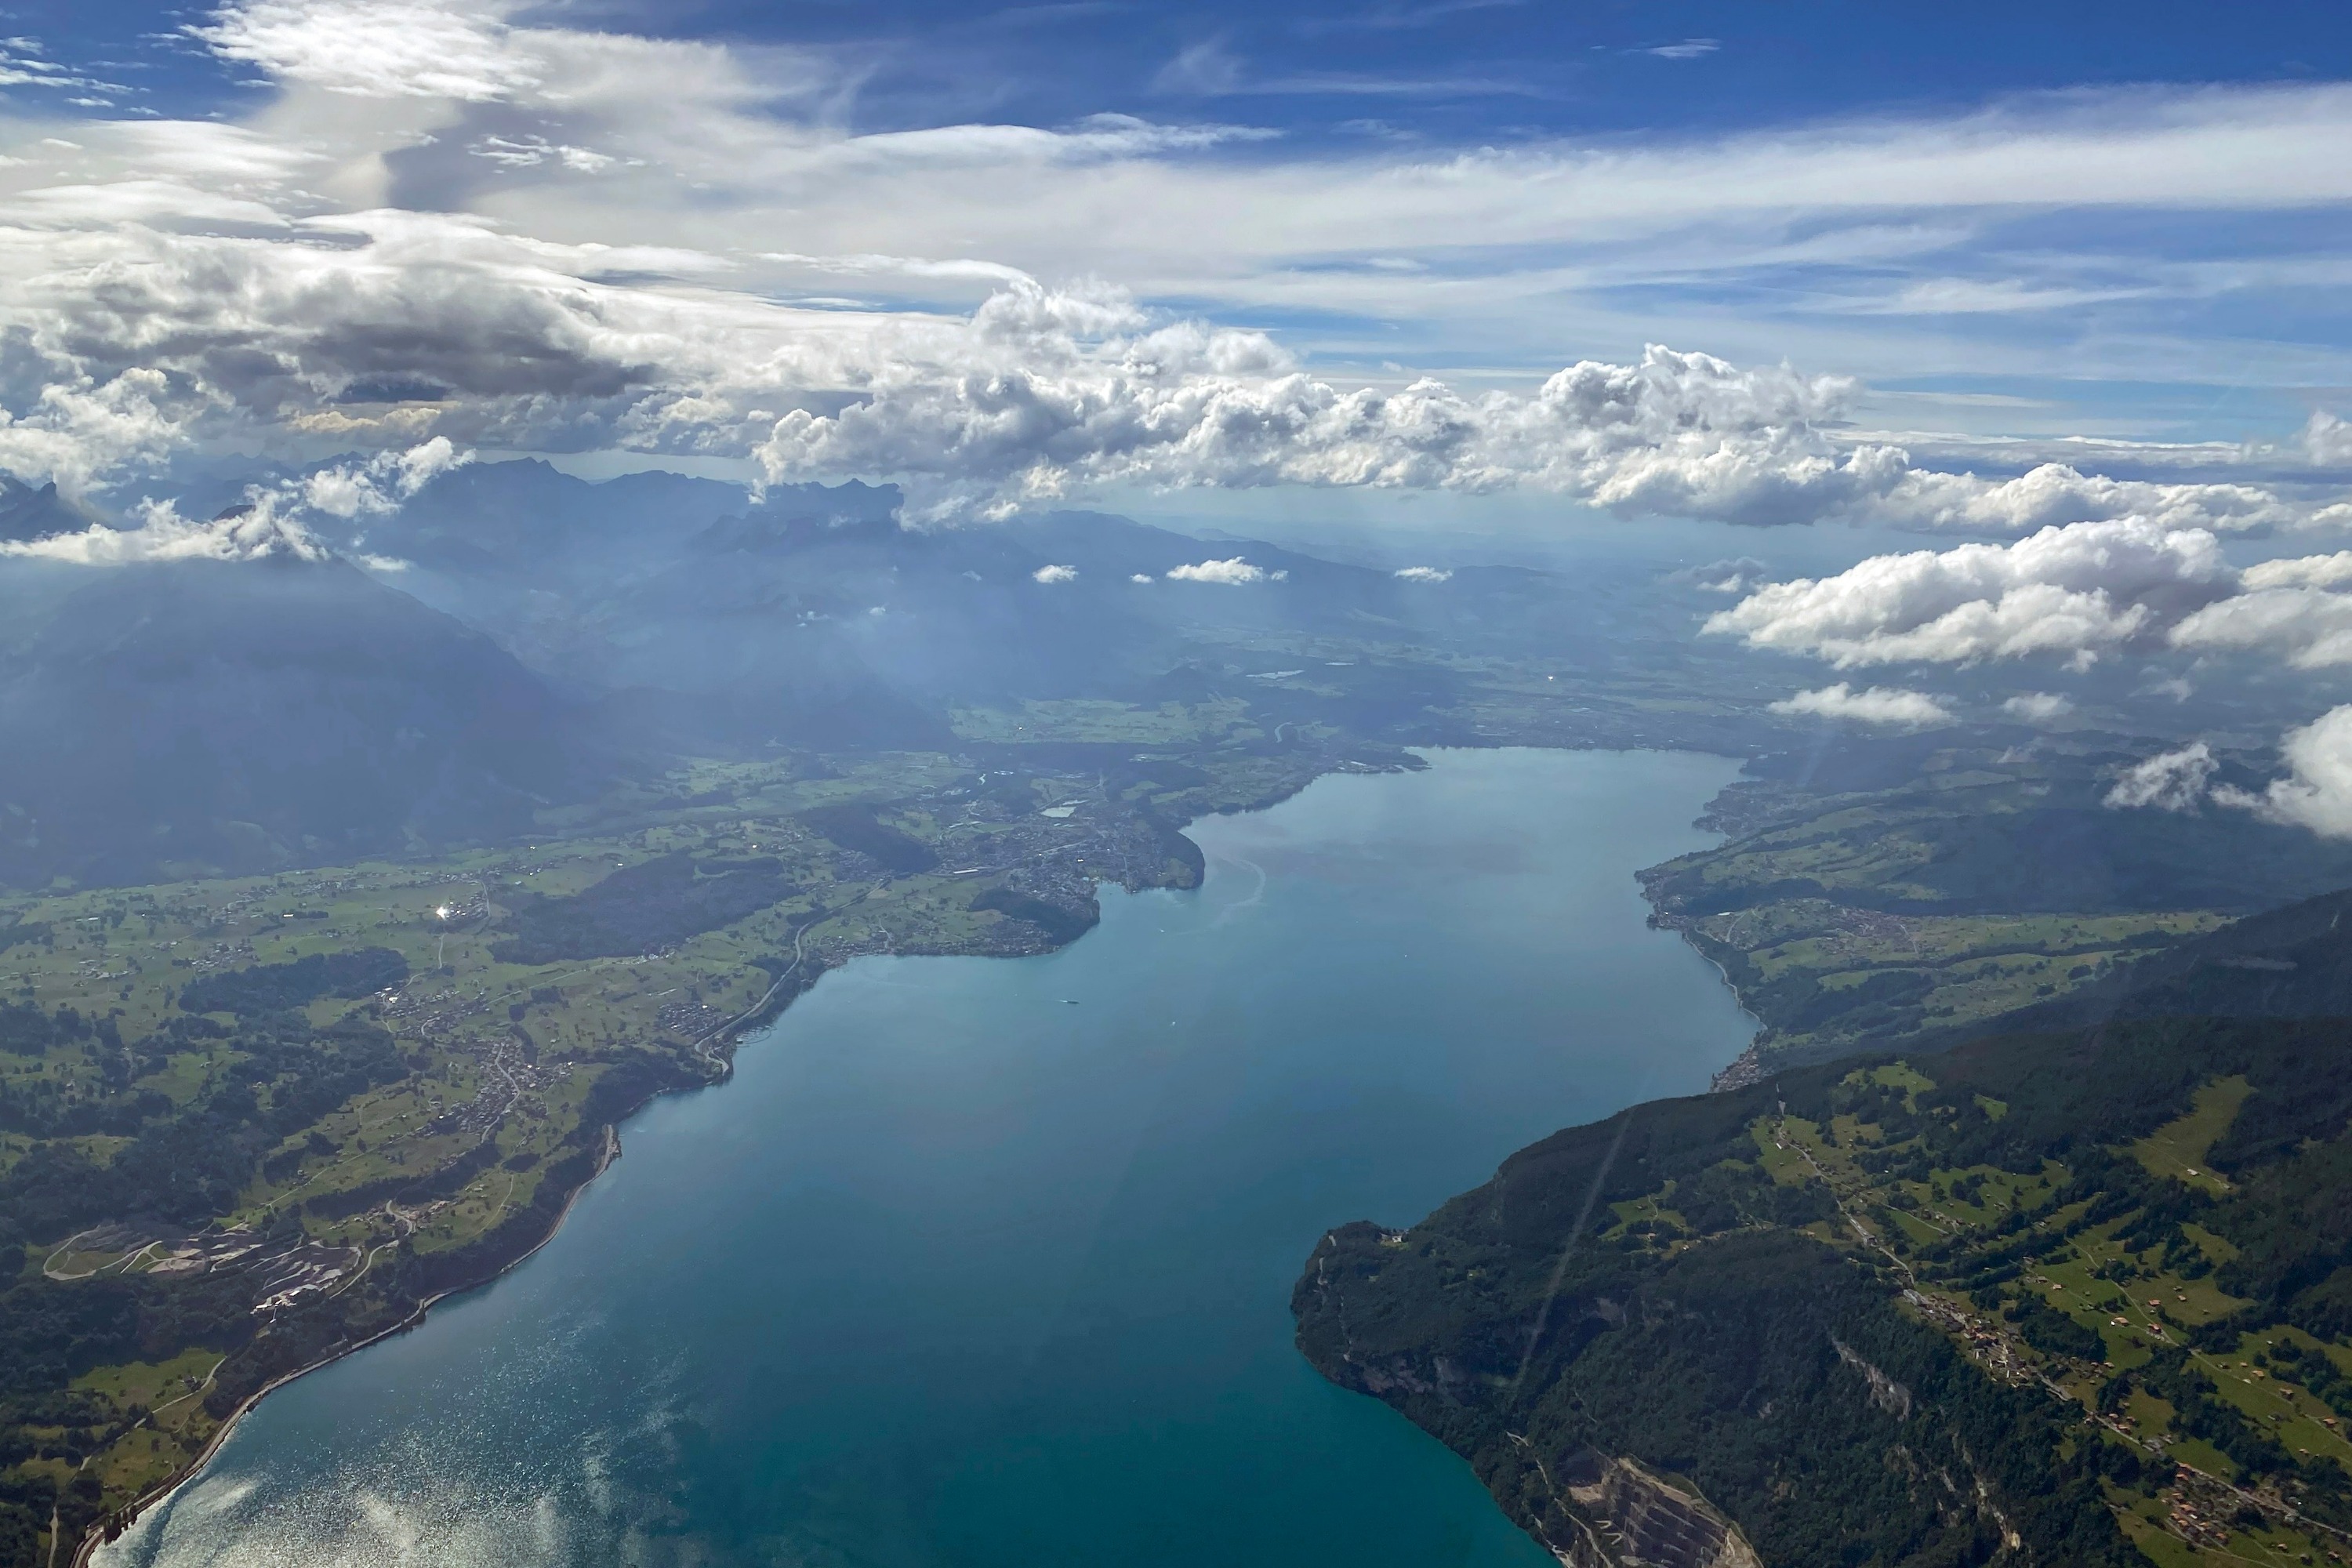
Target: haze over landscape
(534, 537)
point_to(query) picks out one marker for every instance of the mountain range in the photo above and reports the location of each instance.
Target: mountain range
(514, 637)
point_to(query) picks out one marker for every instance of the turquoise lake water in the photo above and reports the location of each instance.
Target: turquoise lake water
(954, 1274)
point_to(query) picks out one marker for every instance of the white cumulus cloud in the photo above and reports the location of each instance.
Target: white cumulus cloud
(147, 337)
(1051, 574)
(2171, 781)
(2317, 794)
(2300, 572)
(1232, 572)
(2038, 707)
(1424, 574)
(1677, 434)
(2306, 627)
(1730, 576)
(248, 285)
(2074, 592)
(379, 484)
(2327, 438)
(257, 531)
(87, 424)
(269, 522)
(1876, 705)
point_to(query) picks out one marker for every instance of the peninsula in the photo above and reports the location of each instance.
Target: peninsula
(2057, 1292)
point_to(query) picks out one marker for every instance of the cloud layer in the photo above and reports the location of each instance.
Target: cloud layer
(270, 524)
(259, 530)
(137, 341)
(435, 225)
(2075, 595)
(2073, 591)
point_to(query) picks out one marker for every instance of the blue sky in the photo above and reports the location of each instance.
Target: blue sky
(1993, 237)
(1455, 70)
(1469, 71)
(2148, 318)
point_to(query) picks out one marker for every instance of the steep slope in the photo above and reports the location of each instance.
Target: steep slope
(1990, 837)
(1855, 918)
(2012, 1301)
(2291, 962)
(197, 715)
(527, 523)
(29, 512)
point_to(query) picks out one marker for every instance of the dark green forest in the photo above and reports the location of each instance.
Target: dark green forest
(1672, 1285)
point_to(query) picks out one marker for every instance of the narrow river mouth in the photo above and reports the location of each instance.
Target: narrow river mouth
(982, 1262)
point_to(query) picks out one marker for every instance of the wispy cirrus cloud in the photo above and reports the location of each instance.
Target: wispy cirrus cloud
(409, 48)
(441, 215)
(1398, 16)
(1038, 394)
(732, 146)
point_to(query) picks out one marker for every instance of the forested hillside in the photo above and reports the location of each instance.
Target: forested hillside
(2068, 1296)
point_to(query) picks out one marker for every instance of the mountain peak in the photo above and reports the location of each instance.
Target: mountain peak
(28, 512)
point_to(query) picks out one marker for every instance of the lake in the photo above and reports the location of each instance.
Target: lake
(987, 1264)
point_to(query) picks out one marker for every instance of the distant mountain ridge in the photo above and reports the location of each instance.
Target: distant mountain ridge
(198, 716)
(696, 615)
(514, 637)
(29, 513)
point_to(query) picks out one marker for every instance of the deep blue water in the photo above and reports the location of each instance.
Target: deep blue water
(955, 1273)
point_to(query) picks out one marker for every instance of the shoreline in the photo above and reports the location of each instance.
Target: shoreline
(91, 1544)
(716, 1049)
(787, 987)
(770, 1007)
